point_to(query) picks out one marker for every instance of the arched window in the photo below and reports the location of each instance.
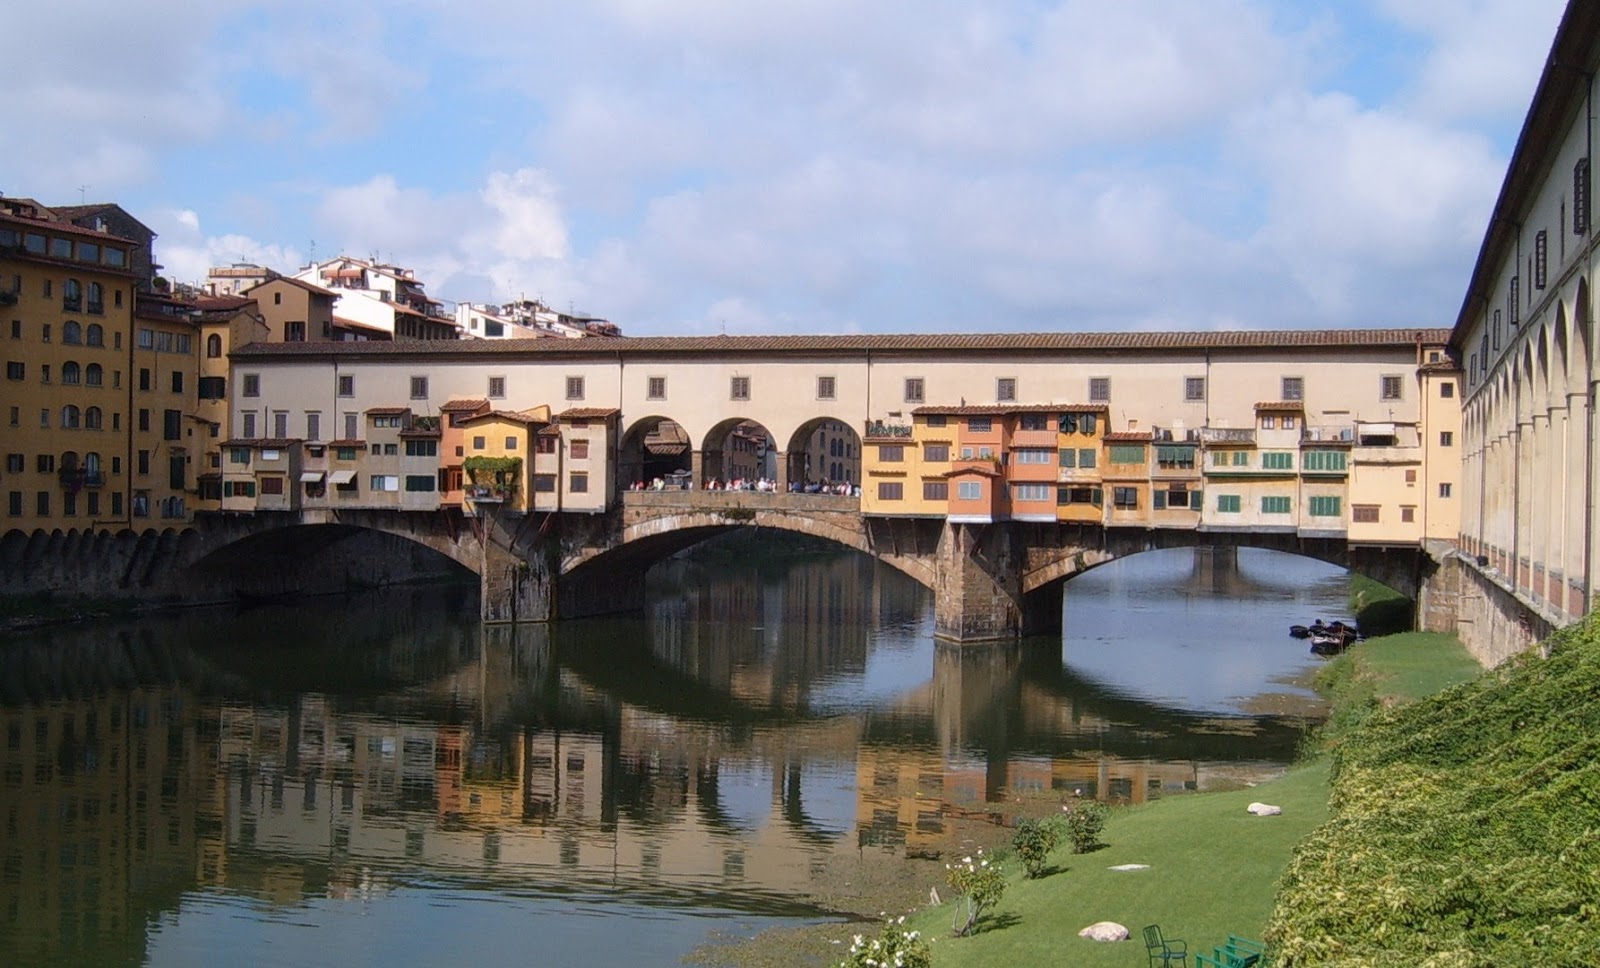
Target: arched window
(96, 335)
(72, 295)
(69, 461)
(93, 376)
(97, 298)
(71, 372)
(92, 420)
(71, 332)
(70, 417)
(213, 346)
(91, 464)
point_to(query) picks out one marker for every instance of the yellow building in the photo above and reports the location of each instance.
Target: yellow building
(224, 322)
(67, 301)
(1127, 478)
(506, 439)
(1080, 435)
(168, 454)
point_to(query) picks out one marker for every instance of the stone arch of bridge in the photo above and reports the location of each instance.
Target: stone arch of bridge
(267, 557)
(1392, 567)
(651, 539)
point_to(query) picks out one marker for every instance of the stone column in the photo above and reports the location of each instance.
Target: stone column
(697, 470)
(1439, 592)
(978, 587)
(516, 584)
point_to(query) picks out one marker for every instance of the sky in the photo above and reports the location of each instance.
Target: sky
(690, 167)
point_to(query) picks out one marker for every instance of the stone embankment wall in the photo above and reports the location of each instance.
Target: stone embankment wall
(1495, 623)
(191, 567)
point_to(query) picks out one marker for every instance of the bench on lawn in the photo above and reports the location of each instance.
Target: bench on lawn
(1236, 952)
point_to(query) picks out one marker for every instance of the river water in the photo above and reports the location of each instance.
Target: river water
(379, 781)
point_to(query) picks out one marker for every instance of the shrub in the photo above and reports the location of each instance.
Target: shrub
(1033, 842)
(894, 947)
(980, 885)
(1084, 822)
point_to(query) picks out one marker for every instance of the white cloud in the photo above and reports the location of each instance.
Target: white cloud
(186, 253)
(1485, 55)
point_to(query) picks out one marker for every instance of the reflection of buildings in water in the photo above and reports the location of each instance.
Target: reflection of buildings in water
(109, 817)
(907, 798)
(766, 639)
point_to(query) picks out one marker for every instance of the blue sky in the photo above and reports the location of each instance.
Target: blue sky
(829, 166)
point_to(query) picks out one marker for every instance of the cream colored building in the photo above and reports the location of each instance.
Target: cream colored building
(1525, 338)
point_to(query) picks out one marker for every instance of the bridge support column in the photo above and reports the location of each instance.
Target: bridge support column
(516, 577)
(1439, 593)
(977, 590)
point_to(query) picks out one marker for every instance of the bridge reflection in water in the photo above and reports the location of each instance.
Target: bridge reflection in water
(767, 719)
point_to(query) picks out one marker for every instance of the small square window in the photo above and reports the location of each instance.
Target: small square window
(497, 387)
(1447, 389)
(347, 385)
(1447, 438)
(419, 388)
(914, 389)
(1294, 388)
(656, 388)
(1390, 388)
(511, 443)
(1194, 388)
(574, 388)
(1444, 490)
(825, 388)
(1099, 389)
(739, 388)
(1005, 389)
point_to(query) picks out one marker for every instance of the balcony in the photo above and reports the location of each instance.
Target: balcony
(1330, 433)
(879, 429)
(76, 478)
(1228, 435)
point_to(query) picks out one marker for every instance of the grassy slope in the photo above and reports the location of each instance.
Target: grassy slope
(1214, 868)
(1465, 828)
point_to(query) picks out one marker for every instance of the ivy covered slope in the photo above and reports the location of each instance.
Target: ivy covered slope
(1465, 828)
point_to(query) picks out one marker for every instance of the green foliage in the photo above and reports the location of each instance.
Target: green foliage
(497, 471)
(1034, 840)
(1084, 821)
(980, 884)
(1465, 828)
(894, 947)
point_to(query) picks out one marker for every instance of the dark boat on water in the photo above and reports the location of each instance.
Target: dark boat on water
(1326, 638)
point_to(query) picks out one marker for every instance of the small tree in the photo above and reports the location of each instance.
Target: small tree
(1034, 840)
(980, 885)
(1084, 822)
(894, 946)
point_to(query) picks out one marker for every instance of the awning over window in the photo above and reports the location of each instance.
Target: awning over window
(342, 477)
(310, 477)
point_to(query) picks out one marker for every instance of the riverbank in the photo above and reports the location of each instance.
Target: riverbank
(1214, 868)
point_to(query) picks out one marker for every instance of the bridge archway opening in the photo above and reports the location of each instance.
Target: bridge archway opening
(737, 449)
(654, 447)
(319, 559)
(823, 451)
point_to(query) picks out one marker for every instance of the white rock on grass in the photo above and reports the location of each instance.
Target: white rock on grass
(1264, 809)
(1104, 931)
(1129, 867)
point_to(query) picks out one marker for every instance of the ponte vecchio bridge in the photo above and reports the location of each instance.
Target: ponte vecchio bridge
(990, 468)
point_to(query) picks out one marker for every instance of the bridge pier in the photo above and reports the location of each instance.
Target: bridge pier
(516, 575)
(978, 593)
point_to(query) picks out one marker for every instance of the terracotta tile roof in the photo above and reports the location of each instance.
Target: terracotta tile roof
(388, 411)
(1006, 409)
(983, 468)
(1281, 405)
(589, 413)
(477, 403)
(347, 443)
(1129, 437)
(348, 323)
(265, 443)
(610, 346)
(551, 431)
(1443, 366)
(516, 416)
(223, 303)
(65, 228)
(291, 280)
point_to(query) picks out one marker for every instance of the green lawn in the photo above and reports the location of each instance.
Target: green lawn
(1214, 868)
(1213, 871)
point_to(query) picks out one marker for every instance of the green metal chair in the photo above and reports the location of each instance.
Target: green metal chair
(1164, 951)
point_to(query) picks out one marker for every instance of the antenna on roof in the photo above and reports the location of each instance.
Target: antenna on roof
(83, 191)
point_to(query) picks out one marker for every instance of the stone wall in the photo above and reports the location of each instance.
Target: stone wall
(1495, 623)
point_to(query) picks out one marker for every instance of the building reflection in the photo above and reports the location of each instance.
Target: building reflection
(135, 773)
